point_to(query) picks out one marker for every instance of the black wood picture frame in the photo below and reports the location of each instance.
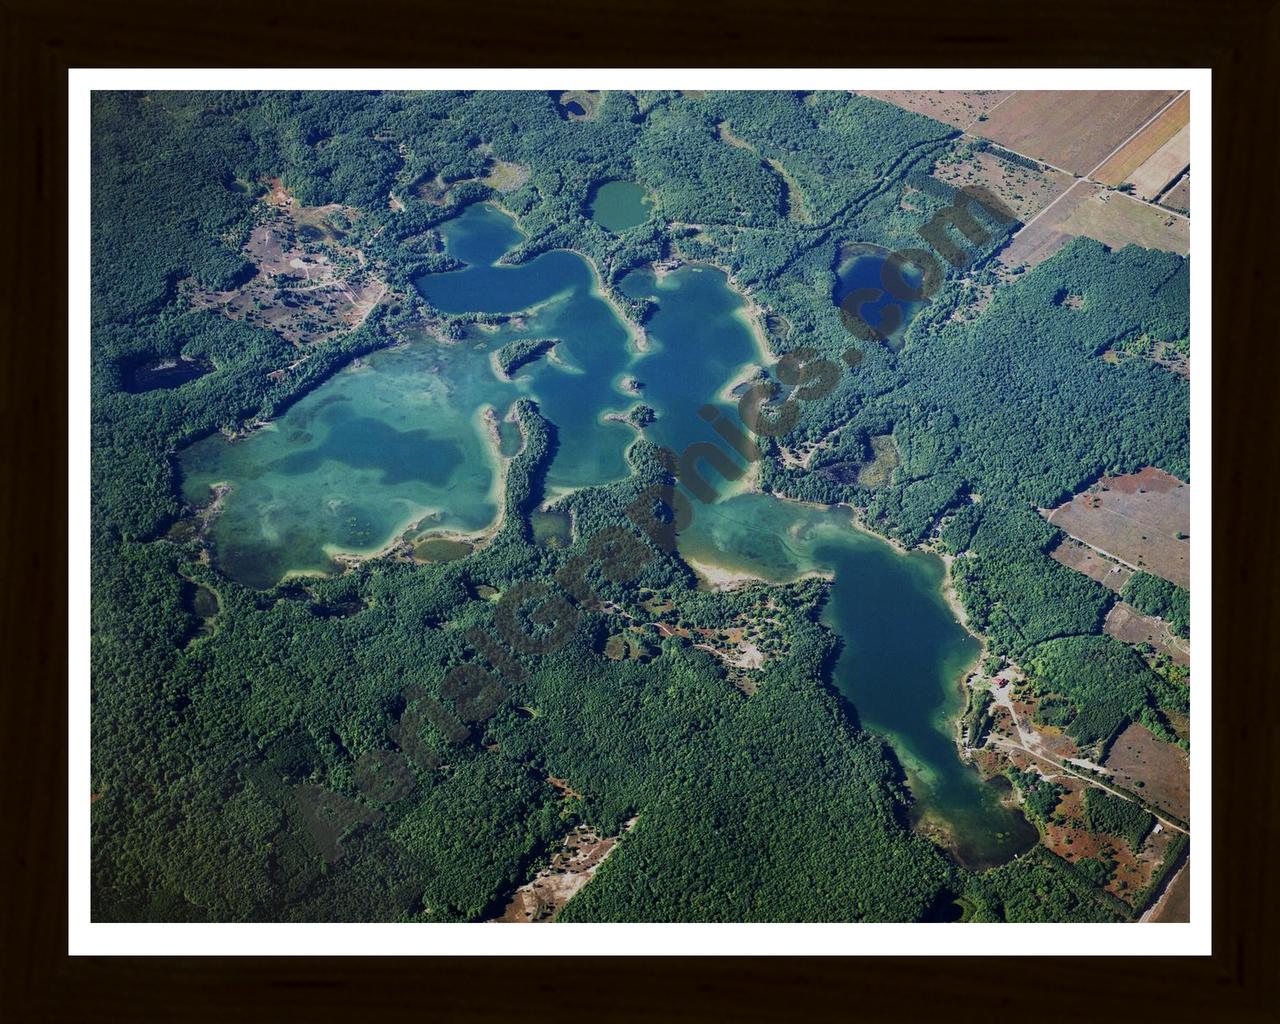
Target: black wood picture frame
(1238, 39)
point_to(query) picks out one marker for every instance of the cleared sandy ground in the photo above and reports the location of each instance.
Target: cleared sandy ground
(1135, 519)
(1163, 768)
(957, 107)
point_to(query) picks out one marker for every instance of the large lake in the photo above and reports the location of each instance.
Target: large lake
(400, 441)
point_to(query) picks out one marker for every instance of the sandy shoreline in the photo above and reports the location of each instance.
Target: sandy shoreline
(721, 578)
(948, 590)
(752, 313)
(953, 599)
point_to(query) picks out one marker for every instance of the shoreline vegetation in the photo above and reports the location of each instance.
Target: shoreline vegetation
(515, 355)
(716, 578)
(601, 290)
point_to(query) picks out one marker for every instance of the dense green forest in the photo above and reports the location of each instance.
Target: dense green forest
(377, 745)
(1040, 796)
(1111, 814)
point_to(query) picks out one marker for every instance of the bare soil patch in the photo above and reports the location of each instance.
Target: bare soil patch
(564, 787)
(570, 868)
(732, 646)
(1136, 519)
(1163, 769)
(1084, 559)
(1072, 130)
(1046, 740)
(957, 107)
(1124, 622)
(309, 286)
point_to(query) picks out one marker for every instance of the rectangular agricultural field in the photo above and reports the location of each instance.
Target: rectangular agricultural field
(1074, 130)
(1175, 905)
(1179, 197)
(1117, 220)
(1163, 166)
(1045, 235)
(1163, 768)
(1134, 153)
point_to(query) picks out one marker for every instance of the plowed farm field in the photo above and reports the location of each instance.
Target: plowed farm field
(1143, 146)
(1073, 130)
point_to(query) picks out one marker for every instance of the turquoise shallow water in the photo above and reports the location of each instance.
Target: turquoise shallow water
(400, 437)
(581, 381)
(352, 464)
(401, 440)
(698, 342)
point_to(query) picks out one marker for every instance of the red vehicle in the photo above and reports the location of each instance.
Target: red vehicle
(1003, 683)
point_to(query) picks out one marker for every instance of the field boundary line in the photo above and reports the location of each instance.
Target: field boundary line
(1101, 551)
(1140, 129)
(987, 113)
(1089, 177)
(1066, 192)
(1154, 205)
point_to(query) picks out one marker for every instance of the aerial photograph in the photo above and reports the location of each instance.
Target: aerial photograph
(535, 507)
